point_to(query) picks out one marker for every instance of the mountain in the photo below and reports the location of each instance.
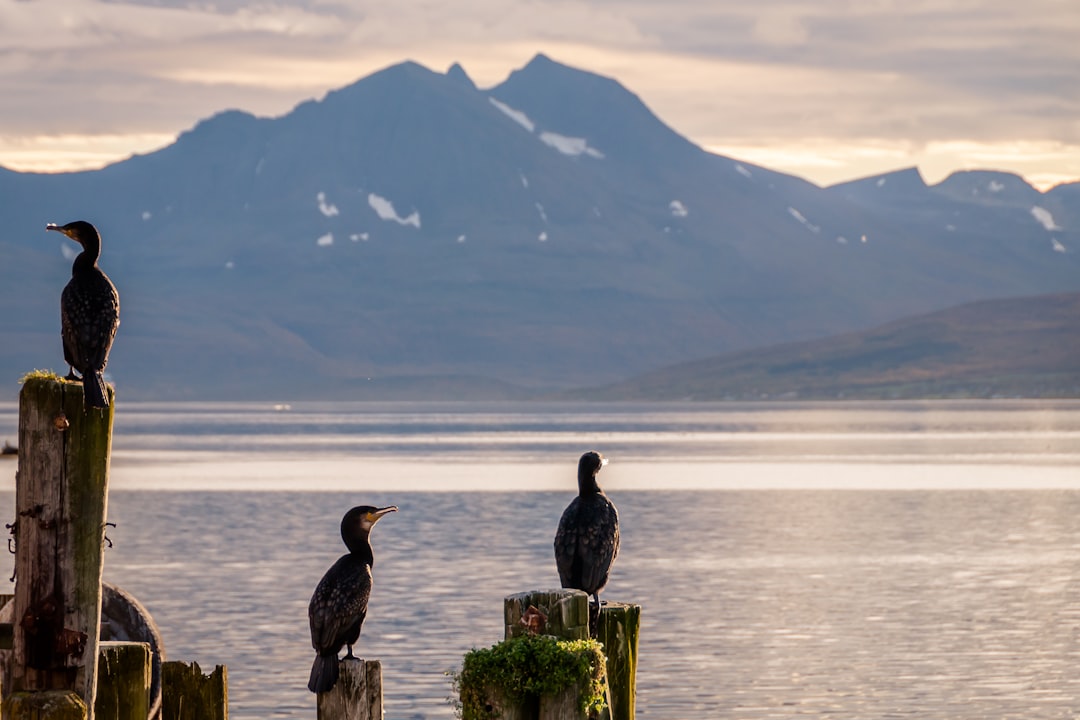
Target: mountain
(1028, 347)
(411, 234)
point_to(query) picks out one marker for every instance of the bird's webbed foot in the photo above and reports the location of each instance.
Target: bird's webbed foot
(72, 376)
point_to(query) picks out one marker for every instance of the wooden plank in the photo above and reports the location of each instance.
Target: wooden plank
(60, 500)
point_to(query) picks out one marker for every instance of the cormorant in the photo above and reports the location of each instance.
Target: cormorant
(339, 604)
(587, 541)
(89, 314)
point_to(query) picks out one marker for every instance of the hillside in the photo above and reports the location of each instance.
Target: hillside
(1026, 347)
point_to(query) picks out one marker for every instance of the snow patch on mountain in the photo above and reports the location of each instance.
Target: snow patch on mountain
(1044, 218)
(995, 186)
(68, 252)
(540, 209)
(385, 210)
(570, 145)
(678, 209)
(516, 115)
(327, 209)
(742, 171)
(325, 240)
(802, 219)
(1058, 247)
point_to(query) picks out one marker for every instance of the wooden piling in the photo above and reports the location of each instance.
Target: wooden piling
(617, 631)
(123, 681)
(563, 613)
(357, 694)
(188, 694)
(61, 502)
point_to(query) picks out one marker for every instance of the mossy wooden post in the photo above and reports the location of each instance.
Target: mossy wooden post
(617, 631)
(187, 694)
(357, 694)
(123, 681)
(60, 502)
(563, 613)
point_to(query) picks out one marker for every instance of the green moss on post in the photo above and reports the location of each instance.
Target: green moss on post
(617, 631)
(45, 705)
(61, 503)
(518, 677)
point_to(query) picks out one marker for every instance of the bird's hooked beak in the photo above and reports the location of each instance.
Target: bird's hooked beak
(373, 517)
(63, 230)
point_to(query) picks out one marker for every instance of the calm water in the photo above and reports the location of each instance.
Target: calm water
(854, 561)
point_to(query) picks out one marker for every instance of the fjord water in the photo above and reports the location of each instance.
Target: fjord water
(844, 560)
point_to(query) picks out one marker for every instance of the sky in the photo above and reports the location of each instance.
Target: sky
(829, 90)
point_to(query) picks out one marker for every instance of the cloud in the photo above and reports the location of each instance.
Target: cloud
(777, 74)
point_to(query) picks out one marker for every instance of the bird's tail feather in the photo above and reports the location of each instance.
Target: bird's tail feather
(324, 673)
(94, 393)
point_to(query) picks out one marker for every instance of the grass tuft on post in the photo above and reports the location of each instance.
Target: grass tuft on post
(520, 670)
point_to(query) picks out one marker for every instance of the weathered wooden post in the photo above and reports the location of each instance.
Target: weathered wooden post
(565, 614)
(60, 501)
(188, 694)
(123, 681)
(357, 694)
(617, 631)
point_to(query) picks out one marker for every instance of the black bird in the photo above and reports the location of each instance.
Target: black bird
(587, 541)
(89, 314)
(339, 605)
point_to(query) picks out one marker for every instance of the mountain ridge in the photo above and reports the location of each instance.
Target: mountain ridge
(406, 226)
(1022, 347)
